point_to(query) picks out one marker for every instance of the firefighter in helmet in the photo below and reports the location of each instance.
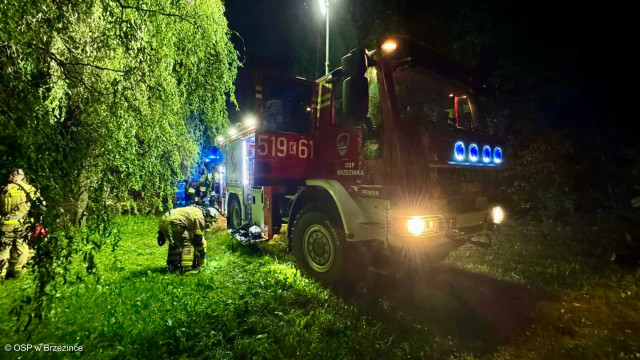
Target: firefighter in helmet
(184, 228)
(16, 224)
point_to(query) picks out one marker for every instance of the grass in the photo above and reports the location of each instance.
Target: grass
(243, 304)
(591, 309)
(527, 297)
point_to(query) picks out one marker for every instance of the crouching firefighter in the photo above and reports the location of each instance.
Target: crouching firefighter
(184, 229)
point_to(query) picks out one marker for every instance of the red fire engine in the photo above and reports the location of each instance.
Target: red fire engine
(385, 151)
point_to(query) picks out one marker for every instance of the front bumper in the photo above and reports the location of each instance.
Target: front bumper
(453, 228)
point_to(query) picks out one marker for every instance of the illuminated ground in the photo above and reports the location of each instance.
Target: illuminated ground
(521, 299)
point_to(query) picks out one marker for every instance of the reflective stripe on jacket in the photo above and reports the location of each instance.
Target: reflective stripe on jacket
(16, 199)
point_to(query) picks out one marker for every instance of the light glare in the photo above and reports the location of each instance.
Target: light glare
(497, 215)
(323, 6)
(249, 120)
(415, 226)
(389, 46)
(245, 173)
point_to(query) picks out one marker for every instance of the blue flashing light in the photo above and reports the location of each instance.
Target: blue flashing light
(497, 155)
(486, 154)
(458, 151)
(471, 164)
(474, 153)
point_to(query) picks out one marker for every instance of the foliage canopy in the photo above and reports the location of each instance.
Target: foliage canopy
(97, 92)
(102, 100)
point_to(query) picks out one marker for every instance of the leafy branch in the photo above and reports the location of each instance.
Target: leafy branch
(63, 63)
(154, 11)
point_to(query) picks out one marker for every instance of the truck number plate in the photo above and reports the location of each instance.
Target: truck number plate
(280, 146)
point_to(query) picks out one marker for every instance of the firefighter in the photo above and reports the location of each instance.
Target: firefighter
(198, 192)
(181, 195)
(203, 190)
(191, 194)
(184, 229)
(16, 224)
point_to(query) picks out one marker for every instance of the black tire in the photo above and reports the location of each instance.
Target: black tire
(318, 245)
(234, 213)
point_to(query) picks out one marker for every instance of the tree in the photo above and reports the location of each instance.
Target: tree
(95, 100)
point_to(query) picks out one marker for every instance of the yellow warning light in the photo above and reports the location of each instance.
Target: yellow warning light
(389, 46)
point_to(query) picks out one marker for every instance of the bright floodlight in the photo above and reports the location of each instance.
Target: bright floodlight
(220, 138)
(389, 45)
(249, 120)
(415, 226)
(497, 215)
(232, 130)
(323, 6)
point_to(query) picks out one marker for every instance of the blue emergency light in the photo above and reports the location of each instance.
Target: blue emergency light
(489, 157)
(486, 154)
(473, 152)
(459, 151)
(497, 155)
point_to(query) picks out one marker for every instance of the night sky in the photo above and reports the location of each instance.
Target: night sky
(282, 35)
(572, 59)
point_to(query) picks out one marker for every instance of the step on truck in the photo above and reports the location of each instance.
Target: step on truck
(386, 152)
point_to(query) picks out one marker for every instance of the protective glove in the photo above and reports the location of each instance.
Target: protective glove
(161, 238)
(197, 241)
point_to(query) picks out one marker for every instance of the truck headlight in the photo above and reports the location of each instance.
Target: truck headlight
(497, 215)
(415, 226)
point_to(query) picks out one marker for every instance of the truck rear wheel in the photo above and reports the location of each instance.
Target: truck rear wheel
(234, 214)
(318, 245)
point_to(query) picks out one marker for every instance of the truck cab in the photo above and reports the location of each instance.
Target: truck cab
(386, 150)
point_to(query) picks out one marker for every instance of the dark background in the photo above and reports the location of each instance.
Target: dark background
(560, 79)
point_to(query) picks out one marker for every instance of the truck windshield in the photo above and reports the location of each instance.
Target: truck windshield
(425, 98)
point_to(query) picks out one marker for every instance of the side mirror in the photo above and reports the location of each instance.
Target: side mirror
(355, 88)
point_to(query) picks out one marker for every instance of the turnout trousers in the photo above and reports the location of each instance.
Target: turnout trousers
(14, 249)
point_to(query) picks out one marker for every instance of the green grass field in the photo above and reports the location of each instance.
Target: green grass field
(526, 297)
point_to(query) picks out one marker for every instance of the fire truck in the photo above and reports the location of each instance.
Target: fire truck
(386, 152)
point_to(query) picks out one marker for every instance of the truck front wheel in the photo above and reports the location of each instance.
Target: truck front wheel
(318, 245)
